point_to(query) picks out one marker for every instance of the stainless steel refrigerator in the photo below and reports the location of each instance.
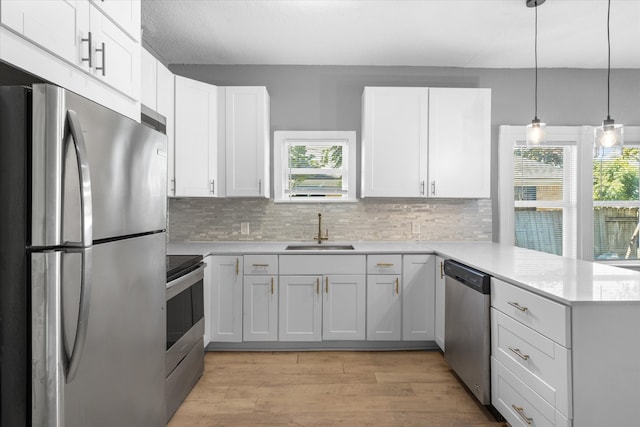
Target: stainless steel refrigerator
(82, 263)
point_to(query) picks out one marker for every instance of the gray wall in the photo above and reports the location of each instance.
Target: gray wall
(329, 98)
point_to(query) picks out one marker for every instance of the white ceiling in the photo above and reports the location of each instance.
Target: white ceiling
(457, 33)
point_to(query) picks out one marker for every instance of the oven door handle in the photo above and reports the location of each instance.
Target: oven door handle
(183, 282)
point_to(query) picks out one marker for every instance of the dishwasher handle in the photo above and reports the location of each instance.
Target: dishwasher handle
(468, 276)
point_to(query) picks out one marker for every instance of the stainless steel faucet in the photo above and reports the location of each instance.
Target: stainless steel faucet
(320, 237)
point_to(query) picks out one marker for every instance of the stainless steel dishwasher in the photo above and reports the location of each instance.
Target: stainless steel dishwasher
(467, 327)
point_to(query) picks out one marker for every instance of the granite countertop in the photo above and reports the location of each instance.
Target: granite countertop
(565, 280)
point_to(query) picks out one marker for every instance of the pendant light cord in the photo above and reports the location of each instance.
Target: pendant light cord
(608, 60)
(535, 113)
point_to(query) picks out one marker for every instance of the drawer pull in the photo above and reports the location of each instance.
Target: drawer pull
(326, 284)
(318, 286)
(397, 285)
(261, 265)
(519, 353)
(520, 412)
(518, 306)
(272, 286)
(384, 264)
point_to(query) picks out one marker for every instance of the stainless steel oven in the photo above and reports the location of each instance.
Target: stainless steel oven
(185, 328)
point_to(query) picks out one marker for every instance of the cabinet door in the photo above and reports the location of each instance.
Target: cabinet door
(226, 298)
(260, 318)
(394, 141)
(439, 300)
(165, 102)
(459, 142)
(126, 13)
(343, 308)
(116, 58)
(300, 308)
(247, 141)
(384, 307)
(195, 138)
(418, 292)
(58, 26)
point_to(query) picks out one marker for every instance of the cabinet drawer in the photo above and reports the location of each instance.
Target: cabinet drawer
(547, 317)
(539, 362)
(384, 264)
(261, 264)
(322, 264)
(520, 405)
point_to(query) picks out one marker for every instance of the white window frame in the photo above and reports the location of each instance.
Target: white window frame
(573, 238)
(282, 140)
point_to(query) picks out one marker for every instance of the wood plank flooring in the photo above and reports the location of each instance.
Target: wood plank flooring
(408, 388)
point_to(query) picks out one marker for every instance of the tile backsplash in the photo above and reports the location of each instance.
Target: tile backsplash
(204, 219)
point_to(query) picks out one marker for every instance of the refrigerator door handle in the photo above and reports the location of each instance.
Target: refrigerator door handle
(84, 178)
(73, 360)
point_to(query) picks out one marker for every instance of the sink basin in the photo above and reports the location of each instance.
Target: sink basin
(319, 247)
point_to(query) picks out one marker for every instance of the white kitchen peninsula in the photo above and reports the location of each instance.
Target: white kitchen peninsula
(600, 333)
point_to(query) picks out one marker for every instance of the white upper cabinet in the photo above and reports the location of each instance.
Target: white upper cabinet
(195, 138)
(244, 134)
(394, 141)
(426, 142)
(125, 13)
(116, 56)
(165, 99)
(157, 93)
(76, 44)
(459, 142)
(58, 26)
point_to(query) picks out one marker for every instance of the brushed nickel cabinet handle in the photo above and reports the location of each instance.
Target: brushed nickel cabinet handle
(237, 266)
(89, 52)
(441, 270)
(318, 286)
(518, 306)
(259, 187)
(433, 188)
(326, 285)
(520, 412)
(384, 264)
(272, 286)
(397, 285)
(422, 188)
(518, 353)
(260, 265)
(104, 59)
(212, 186)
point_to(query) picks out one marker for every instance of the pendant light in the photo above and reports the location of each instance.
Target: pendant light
(610, 135)
(536, 130)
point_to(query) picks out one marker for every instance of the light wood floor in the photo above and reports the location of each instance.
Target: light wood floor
(412, 388)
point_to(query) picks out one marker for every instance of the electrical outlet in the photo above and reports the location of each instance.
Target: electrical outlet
(415, 227)
(244, 228)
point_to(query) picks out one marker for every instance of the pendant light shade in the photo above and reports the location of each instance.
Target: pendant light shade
(536, 130)
(610, 135)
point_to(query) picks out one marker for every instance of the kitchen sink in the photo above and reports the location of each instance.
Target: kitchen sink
(319, 247)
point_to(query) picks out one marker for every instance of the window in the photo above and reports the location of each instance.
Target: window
(314, 166)
(561, 194)
(615, 204)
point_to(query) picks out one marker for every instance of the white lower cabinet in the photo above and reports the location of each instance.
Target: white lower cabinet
(260, 317)
(530, 357)
(518, 403)
(439, 300)
(418, 295)
(384, 307)
(322, 297)
(300, 308)
(260, 300)
(226, 298)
